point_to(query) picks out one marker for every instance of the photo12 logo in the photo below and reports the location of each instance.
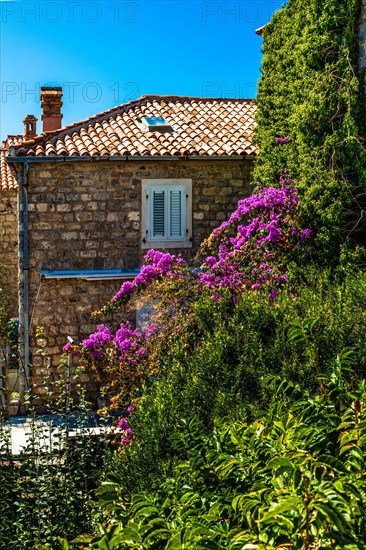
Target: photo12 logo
(89, 92)
(239, 12)
(69, 12)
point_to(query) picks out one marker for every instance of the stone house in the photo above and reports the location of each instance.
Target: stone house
(81, 204)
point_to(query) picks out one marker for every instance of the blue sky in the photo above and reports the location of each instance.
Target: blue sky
(107, 52)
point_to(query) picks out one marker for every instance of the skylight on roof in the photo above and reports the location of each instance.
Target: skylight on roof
(155, 124)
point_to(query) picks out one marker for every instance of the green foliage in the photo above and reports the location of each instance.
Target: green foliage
(292, 478)
(251, 434)
(8, 341)
(312, 92)
(6, 326)
(221, 363)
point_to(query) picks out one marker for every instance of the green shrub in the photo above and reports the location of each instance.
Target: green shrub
(223, 370)
(293, 477)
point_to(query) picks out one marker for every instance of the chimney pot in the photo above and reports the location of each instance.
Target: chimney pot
(30, 126)
(51, 108)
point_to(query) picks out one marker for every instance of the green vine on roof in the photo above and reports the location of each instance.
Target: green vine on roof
(312, 92)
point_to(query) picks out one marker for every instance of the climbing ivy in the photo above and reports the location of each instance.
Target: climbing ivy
(311, 91)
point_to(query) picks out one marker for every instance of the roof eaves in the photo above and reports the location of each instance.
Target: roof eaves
(124, 158)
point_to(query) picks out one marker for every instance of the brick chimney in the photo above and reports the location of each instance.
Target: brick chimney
(51, 108)
(30, 126)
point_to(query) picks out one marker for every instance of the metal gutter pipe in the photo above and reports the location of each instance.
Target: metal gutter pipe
(24, 159)
(91, 274)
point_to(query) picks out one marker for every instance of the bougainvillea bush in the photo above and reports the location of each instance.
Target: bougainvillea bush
(246, 254)
(245, 417)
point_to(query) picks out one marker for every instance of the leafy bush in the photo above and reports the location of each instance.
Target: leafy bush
(9, 356)
(294, 477)
(216, 339)
(219, 365)
(311, 91)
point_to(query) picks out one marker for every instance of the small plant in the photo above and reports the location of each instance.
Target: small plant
(47, 490)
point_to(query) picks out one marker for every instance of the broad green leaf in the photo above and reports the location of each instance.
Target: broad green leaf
(143, 508)
(116, 542)
(285, 505)
(201, 531)
(64, 543)
(280, 462)
(356, 452)
(174, 543)
(130, 534)
(83, 538)
(346, 448)
(103, 544)
(189, 498)
(348, 437)
(333, 462)
(330, 513)
(226, 467)
(158, 534)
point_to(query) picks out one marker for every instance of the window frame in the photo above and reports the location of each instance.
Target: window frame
(166, 184)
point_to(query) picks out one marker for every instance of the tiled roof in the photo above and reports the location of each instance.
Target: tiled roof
(7, 180)
(201, 127)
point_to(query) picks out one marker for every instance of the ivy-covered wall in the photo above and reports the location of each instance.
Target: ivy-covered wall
(312, 91)
(362, 38)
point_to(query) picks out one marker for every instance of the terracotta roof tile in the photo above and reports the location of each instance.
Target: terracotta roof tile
(203, 127)
(7, 180)
(117, 131)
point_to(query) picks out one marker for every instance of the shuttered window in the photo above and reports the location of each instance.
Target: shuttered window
(176, 221)
(167, 212)
(158, 213)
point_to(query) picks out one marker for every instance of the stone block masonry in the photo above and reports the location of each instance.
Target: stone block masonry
(63, 308)
(87, 216)
(9, 247)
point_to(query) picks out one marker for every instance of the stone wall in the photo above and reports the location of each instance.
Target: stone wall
(86, 215)
(362, 37)
(9, 246)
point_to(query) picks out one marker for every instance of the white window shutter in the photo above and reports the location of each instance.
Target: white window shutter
(176, 214)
